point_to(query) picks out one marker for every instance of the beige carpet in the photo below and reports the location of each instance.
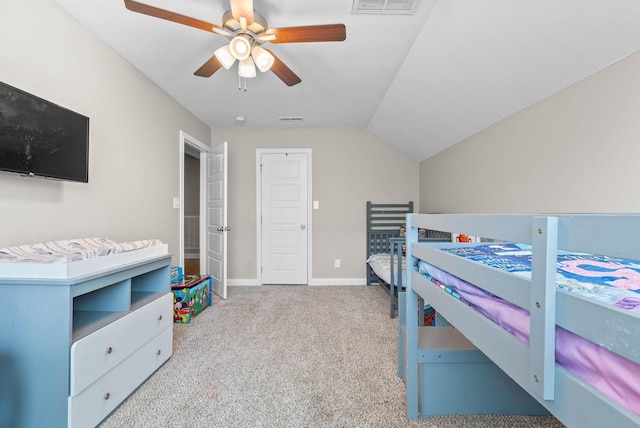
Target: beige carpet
(288, 356)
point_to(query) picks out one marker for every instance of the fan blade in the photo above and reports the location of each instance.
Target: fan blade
(242, 8)
(223, 32)
(310, 33)
(283, 72)
(209, 67)
(145, 9)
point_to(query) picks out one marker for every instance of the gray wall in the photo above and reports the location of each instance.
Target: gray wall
(191, 185)
(350, 167)
(576, 151)
(134, 135)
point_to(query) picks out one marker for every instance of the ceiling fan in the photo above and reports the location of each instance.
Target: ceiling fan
(247, 31)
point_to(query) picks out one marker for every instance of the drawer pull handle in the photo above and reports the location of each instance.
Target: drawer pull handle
(159, 317)
(158, 352)
(109, 350)
(107, 395)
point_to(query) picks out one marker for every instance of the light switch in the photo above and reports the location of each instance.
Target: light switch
(176, 202)
(316, 205)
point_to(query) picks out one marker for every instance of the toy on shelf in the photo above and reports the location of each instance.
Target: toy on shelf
(176, 275)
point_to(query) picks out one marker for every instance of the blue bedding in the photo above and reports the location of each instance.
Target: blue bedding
(610, 280)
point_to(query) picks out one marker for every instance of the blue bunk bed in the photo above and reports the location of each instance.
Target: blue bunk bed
(472, 364)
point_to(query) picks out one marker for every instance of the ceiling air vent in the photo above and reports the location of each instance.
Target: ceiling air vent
(406, 7)
(291, 119)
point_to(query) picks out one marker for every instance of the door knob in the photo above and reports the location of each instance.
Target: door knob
(303, 226)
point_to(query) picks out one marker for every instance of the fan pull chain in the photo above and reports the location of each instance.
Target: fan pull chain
(240, 83)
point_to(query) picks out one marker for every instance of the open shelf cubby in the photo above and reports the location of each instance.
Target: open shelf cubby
(95, 309)
(148, 286)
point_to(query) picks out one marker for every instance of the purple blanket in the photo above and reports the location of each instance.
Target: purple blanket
(611, 374)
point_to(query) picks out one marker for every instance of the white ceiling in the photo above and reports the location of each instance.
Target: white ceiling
(422, 82)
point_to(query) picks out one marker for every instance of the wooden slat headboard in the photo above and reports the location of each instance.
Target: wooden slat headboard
(383, 222)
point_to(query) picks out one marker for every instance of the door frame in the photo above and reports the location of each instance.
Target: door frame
(259, 153)
(187, 141)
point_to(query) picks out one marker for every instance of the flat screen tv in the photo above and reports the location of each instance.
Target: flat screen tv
(42, 139)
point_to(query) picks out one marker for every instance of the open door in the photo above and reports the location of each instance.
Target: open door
(217, 229)
(212, 209)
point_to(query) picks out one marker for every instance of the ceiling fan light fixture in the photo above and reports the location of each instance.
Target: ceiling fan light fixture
(225, 56)
(246, 68)
(240, 46)
(263, 59)
(246, 29)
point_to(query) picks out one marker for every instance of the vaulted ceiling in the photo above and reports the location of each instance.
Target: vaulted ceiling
(422, 81)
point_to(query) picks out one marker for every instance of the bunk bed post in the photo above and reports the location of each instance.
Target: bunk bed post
(542, 339)
(411, 320)
(393, 302)
(402, 324)
(369, 273)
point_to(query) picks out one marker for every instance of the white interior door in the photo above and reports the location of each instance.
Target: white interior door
(217, 229)
(285, 225)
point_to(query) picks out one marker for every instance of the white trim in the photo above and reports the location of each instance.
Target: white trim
(338, 281)
(316, 282)
(204, 213)
(259, 153)
(188, 140)
(243, 282)
(258, 217)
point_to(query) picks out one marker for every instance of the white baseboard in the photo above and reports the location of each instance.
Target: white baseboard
(243, 282)
(338, 281)
(314, 282)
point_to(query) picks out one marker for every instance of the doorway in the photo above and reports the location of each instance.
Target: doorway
(283, 191)
(191, 211)
(210, 257)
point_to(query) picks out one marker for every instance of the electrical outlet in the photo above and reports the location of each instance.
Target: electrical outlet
(337, 263)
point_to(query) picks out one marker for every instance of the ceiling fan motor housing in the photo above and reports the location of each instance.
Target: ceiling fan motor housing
(258, 26)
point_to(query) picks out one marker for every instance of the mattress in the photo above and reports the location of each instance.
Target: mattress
(73, 257)
(613, 281)
(381, 265)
